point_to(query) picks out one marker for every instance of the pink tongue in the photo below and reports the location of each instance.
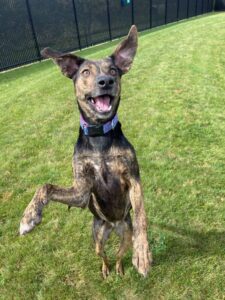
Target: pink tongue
(102, 103)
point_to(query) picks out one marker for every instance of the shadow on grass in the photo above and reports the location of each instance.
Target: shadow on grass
(183, 243)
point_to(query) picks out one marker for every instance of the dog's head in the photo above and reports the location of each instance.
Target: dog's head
(97, 83)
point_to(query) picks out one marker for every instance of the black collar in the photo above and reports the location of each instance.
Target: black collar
(98, 130)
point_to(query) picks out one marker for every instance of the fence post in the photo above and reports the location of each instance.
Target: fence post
(196, 7)
(132, 12)
(166, 5)
(33, 30)
(208, 6)
(178, 8)
(76, 23)
(188, 4)
(109, 20)
(150, 13)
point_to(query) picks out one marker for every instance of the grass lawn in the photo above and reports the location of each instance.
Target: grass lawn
(172, 110)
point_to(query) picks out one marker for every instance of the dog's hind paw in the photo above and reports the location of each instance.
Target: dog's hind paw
(119, 268)
(142, 257)
(105, 270)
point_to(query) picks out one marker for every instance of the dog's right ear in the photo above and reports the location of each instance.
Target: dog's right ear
(68, 63)
(124, 54)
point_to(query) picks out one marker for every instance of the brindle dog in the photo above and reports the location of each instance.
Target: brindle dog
(106, 172)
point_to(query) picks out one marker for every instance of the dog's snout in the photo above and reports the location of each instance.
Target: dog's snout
(105, 81)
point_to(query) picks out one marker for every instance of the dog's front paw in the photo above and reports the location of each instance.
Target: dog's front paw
(142, 257)
(31, 218)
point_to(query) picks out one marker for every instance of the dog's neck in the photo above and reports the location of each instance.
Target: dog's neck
(101, 142)
(98, 130)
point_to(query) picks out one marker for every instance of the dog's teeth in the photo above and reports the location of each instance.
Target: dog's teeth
(92, 101)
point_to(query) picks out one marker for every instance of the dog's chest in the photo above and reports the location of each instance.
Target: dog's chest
(110, 174)
(110, 189)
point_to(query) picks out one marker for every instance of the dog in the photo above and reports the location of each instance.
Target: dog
(105, 167)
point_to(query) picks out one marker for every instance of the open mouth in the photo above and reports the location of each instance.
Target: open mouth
(101, 104)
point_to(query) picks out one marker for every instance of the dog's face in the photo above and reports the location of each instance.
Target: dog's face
(97, 87)
(98, 83)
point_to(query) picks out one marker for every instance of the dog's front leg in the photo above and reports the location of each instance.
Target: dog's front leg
(142, 257)
(77, 196)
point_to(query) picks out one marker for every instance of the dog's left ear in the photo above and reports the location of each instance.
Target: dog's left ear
(68, 63)
(124, 54)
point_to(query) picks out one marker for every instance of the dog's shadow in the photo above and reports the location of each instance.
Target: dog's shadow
(176, 243)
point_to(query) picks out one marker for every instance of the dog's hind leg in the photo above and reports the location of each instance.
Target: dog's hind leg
(124, 231)
(101, 233)
(77, 196)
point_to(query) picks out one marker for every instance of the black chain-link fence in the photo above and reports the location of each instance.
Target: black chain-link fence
(27, 26)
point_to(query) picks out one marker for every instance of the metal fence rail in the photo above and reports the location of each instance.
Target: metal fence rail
(26, 26)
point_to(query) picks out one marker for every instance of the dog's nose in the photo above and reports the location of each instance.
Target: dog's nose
(105, 82)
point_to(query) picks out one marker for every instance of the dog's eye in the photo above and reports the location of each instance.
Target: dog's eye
(113, 71)
(86, 72)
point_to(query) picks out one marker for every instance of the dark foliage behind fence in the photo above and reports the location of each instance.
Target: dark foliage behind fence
(26, 26)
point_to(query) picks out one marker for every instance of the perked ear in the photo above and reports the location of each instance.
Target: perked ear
(68, 63)
(124, 54)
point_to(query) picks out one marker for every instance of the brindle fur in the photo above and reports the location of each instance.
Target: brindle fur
(106, 172)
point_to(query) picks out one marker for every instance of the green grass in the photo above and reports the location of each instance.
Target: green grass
(172, 110)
